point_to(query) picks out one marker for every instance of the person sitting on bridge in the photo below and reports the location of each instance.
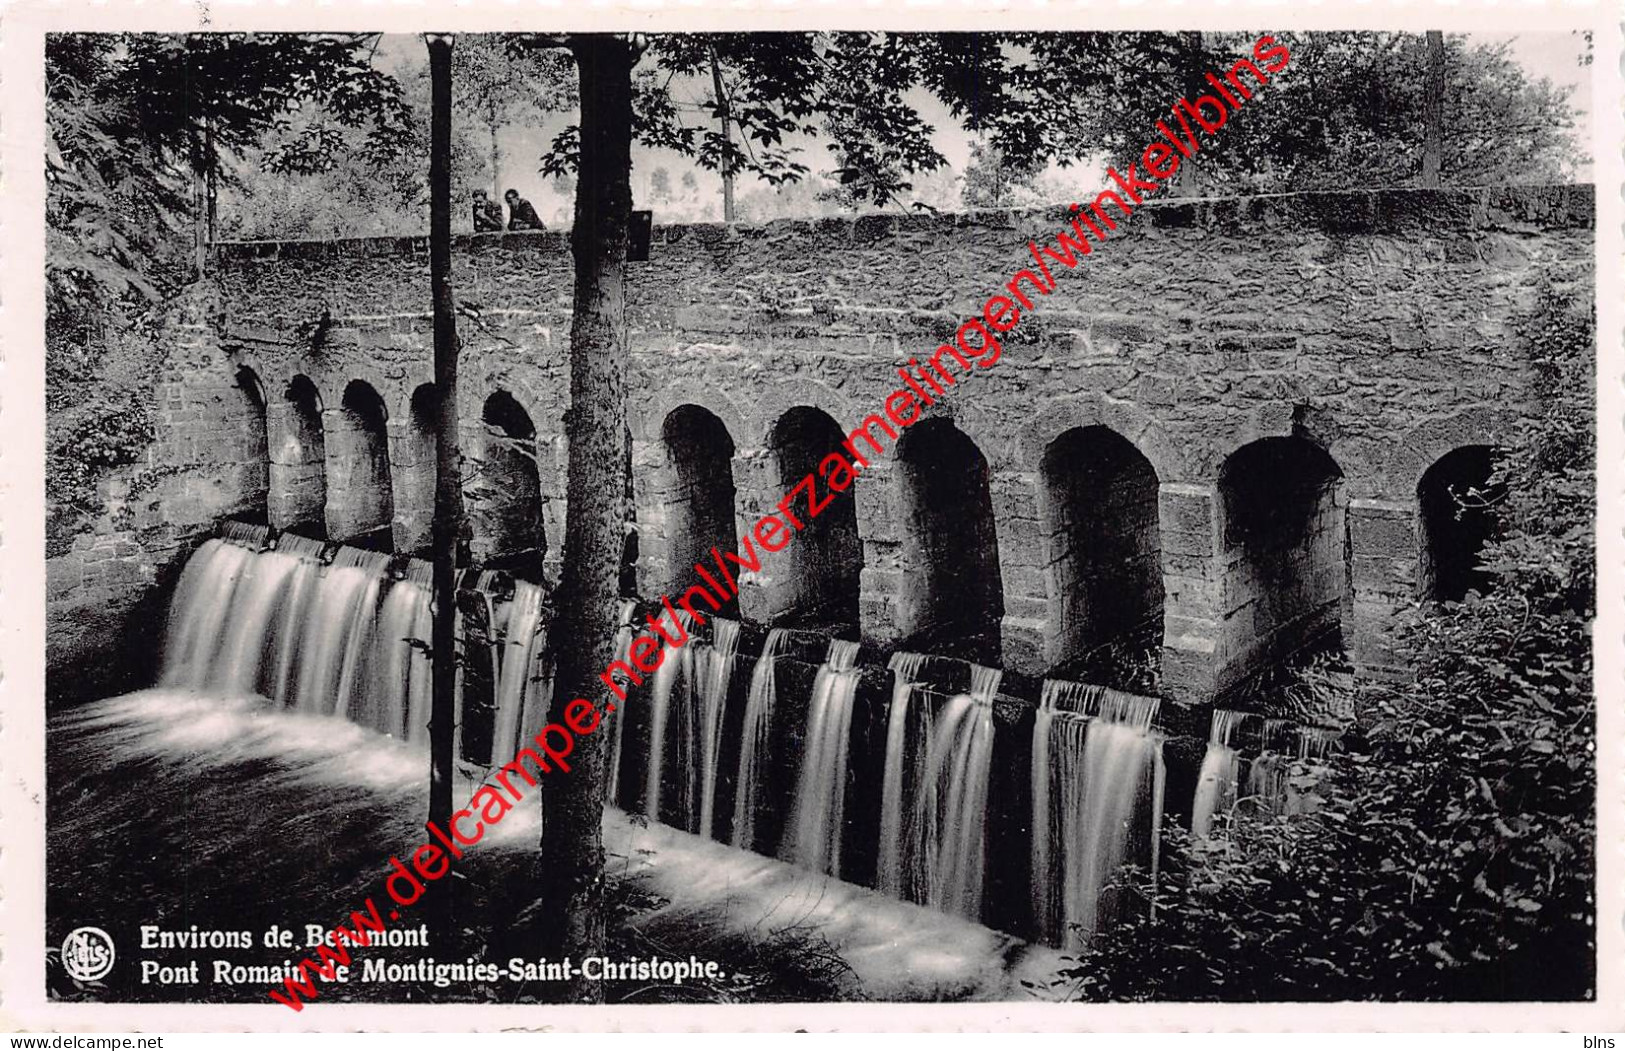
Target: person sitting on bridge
(521, 216)
(487, 213)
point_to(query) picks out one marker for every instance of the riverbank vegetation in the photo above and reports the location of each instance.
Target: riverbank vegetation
(1451, 850)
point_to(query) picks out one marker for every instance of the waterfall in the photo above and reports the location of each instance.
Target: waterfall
(285, 636)
(1216, 783)
(202, 596)
(249, 535)
(325, 639)
(1096, 768)
(754, 745)
(1269, 787)
(408, 672)
(623, 655)
(933, 821)
(676, 670)
(337, 629)
(713, 673)
(818, 820)
(522, 691)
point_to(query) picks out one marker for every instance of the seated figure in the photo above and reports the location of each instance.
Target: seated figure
(487, 213)
(521, 216)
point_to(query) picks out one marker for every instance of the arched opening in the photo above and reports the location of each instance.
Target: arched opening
(1105, 559)
(360, 500)
(1457, 504)
(255, 455)
(413, 456)
(951, 597)
(505, 492)
(1286, 554)
(826, 559)
(700, 506)
(297, 493)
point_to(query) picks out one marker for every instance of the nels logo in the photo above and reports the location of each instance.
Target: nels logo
(87, 954)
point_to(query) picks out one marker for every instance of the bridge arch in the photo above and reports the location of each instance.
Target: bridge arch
(297, 475)
(951, 591)
(505, 492)
(1456, 509)
(689, 394)
(1425, 444)
(1285, 554)
(256, 447)
(1103, 567)
(1055, 417)
(360, 494)
(698, 501)
(825, 560)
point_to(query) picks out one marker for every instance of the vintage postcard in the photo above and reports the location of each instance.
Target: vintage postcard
(812, 518)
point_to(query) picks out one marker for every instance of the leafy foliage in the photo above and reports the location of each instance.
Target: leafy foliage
(1346, 112)
(849, 91)
(991, 181)
(355, 192)
(137, 124)
(1452, 854)
(236, 87)
(497, 82)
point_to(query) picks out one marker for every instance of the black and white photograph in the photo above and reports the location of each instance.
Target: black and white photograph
(688, 515)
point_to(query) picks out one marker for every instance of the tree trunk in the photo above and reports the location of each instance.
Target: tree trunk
(1433, 110)
(496, 154)
(196, 118)
(211, 187)
(572, 869)
(1188, 180)
(448, 486)
(727, 138)
(200, 207)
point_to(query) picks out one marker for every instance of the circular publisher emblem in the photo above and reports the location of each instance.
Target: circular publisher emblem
(87, 953)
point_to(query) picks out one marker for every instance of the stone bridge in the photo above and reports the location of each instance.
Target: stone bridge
(1229, 436)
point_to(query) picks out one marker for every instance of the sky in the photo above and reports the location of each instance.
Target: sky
(1553, 55)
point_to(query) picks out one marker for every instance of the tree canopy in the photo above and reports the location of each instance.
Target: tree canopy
(1348, 112)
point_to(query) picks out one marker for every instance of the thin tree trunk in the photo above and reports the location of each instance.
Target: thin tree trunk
(448, 486)
(1188, 180)
(496, 155)
(200, 208)
(572, 872)
(195, 118)
(211, 189)
(1433, 110)
(727, 137)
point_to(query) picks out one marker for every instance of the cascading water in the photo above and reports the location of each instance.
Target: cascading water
(933, 824)
(623, 655)
(1097, 772)
(523, 690)
(328, 640)
(405, 669)
(338, 632)
(753, 754)
(708, 696)
(676, 671)
(1269, 786)
(818, 820)
(1216, 783)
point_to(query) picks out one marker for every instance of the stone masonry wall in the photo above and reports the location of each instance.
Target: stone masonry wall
(105, 594)
(1376, 325)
